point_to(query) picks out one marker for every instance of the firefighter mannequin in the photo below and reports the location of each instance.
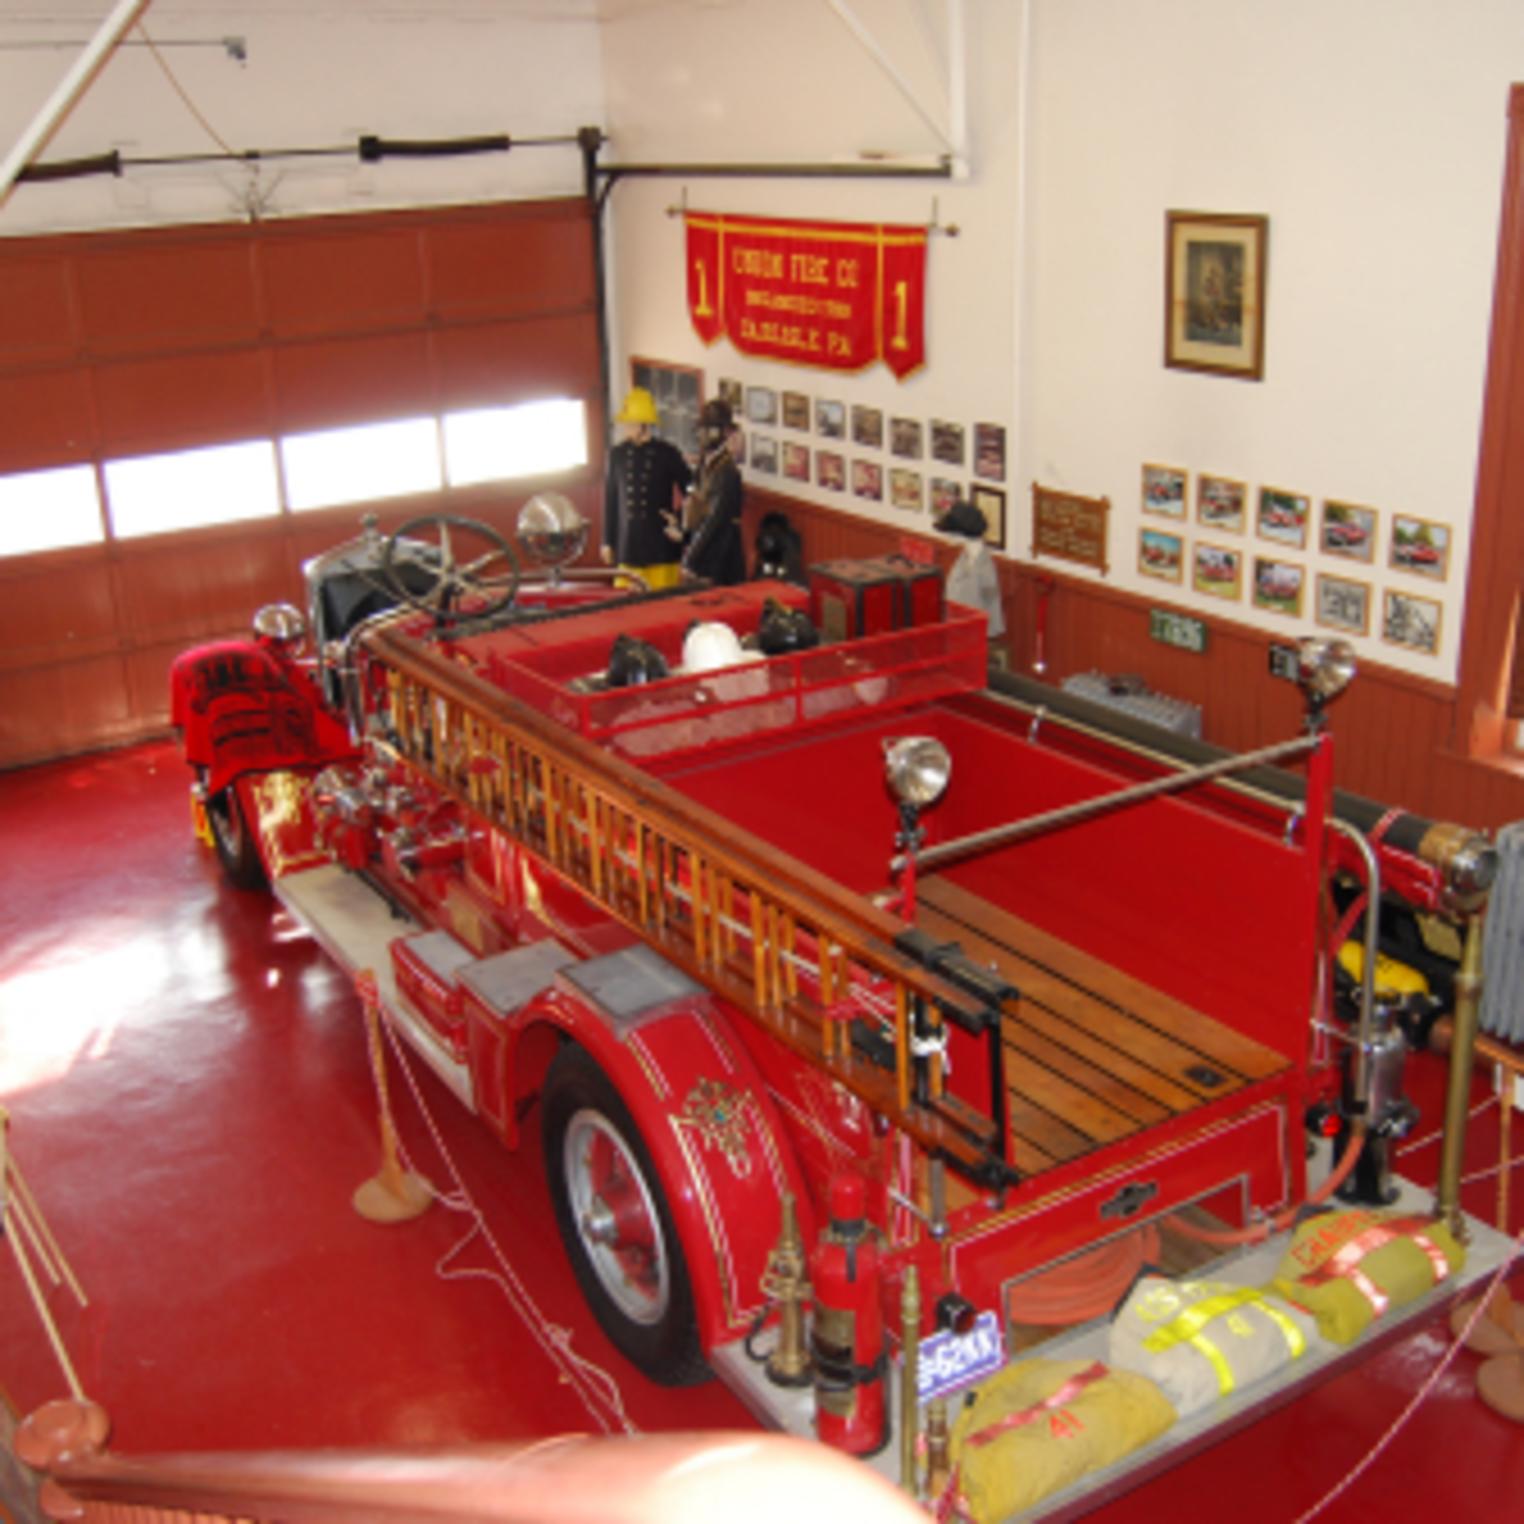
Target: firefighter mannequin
(713, 512)
(973, 579)
(645, 480)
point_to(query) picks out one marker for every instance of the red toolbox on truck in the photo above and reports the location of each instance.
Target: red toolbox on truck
(850, 598)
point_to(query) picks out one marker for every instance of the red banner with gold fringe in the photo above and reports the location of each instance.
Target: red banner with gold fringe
(838, 295)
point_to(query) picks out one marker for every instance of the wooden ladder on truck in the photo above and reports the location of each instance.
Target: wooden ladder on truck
(809, 960)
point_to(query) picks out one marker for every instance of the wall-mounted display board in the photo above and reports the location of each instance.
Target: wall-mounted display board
(1069, 527)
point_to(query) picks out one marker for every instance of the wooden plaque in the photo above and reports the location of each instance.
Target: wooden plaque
(1069, 527)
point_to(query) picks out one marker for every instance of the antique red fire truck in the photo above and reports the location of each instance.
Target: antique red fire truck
(773, 893)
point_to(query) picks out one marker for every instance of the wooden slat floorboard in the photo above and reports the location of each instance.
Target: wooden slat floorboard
(1092, 1055)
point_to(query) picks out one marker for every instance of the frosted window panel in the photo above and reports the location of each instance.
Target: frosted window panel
(491, 443)
(48, 510)
(154, 494)
(357, 464)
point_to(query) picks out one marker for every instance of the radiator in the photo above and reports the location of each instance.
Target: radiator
(1128, 696)
(1502, 1013)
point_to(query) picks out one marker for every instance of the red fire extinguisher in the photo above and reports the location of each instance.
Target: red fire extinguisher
(847, 1333)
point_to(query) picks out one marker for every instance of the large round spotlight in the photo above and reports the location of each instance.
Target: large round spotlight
(281, 624)
(551, 532)
(1325, 667)
(917, 769)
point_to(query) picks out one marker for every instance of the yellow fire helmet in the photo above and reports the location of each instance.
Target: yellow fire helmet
(639, 407)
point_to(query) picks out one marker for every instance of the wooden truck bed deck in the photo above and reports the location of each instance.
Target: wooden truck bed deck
(1092, 1055)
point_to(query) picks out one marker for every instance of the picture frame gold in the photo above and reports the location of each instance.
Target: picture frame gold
(1161, 554)
(1410, 621)
(1214, 293)
(1217, 570)
(1343, 603)
(1420, 547)
(1165, 490)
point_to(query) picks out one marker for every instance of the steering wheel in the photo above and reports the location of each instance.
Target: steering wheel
(443, 569)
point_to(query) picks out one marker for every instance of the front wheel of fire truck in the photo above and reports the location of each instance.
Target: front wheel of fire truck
(615, 1222)
(234, 841)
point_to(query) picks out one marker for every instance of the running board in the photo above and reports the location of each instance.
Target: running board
(355, 926)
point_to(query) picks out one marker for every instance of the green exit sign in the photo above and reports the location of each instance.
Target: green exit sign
(1177, 630)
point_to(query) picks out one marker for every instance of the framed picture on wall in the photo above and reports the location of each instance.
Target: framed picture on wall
(1214, 283)
(905, 438)
(1411, 622)
(868, 480)
(989, 451)
(1343, 604)
(678, 391)
(831, 470)
(1282, 517)
(796, 411)
(1420, 546)
(1216, 570)
(1161, 555)
(730, 391)
(1164, 491)
(1348, 530)
(867, 426)
(764, 454)
(990, 501)
(947, 441)
(943, 493)
(762, 405)
(830, 419)
(1279, 586)
(1220, 503)
(796, 461)
(905, 489)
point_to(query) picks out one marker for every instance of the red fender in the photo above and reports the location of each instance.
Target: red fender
(714, 1136)
(278, 809)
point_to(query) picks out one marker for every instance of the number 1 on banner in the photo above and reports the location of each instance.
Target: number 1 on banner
(901, 308)
(703, 309)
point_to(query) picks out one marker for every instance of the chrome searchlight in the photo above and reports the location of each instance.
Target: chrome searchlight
(917, 769)
(1325, 667)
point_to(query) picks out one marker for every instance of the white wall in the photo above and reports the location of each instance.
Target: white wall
(317, 74)
(788, 82)
(1370, 132)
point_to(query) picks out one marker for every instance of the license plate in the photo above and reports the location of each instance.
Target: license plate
(949, 1361)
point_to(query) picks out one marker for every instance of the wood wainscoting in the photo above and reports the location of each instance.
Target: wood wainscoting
(1395, 733)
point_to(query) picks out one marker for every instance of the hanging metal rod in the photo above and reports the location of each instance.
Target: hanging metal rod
(946, 229)
(875, 171)
(237, 48)
(1071, 814)
(368, 150)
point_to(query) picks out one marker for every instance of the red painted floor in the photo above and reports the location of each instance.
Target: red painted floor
(190, 1100)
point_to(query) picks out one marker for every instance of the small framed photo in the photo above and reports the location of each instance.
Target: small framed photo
(1216, 570)
(990, 501)
(764, 454)
(868, 480)
(1220, 503)
(1161, 555)
(762, 405)
(989, 451)
(1279, 586)
(1164, 491)
(1410, 621)
(947, 442)
(796, 411)
(943, 493)
(1214, 285)
(830, 419)
(905, 438)
(1421, 546)
(1343, 604)
(867, 427)
(905, 489)
(831, 470)
(1348, 530)
(796, 461)
(1283, 516)
(730, 392)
